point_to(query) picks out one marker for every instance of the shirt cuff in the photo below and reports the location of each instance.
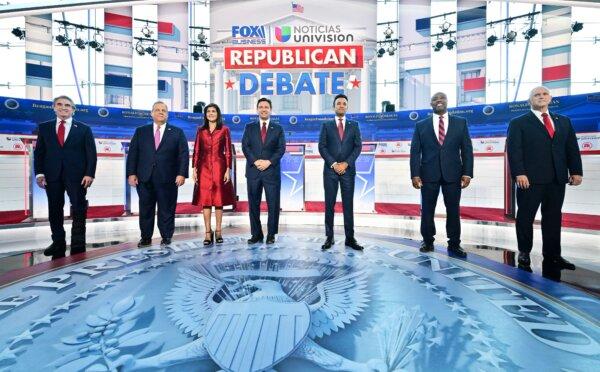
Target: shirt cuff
(332, 165)
(464, 175)
(39, 175)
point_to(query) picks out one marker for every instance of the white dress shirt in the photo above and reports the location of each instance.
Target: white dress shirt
(260, 122)
(436, 123)
(161, 130)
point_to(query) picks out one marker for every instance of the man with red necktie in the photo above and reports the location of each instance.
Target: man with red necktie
(340, 145)
(441, 156)
(543, 156)
(263, 144)
(64, 159)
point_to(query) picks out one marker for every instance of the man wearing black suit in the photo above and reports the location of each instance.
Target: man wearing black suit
(441, 156)
(157, 164)
(340, 145)
(64, 159)
(263, 144)
(543, 156)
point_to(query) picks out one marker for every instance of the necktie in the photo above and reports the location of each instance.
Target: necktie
(442, 131)
(341, 128)
(156, 138)
(548, 124)
(263, 132)
(61, 133)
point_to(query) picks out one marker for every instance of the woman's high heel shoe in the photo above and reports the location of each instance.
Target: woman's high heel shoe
(212, 237)
(218, 237)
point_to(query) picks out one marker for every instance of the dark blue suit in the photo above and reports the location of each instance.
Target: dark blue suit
(547, 162)
(441, 166)
(157, 170)
(269, 179)
(333, 149)
(64, 168)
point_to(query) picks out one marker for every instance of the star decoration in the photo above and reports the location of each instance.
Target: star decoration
(229, 84)
(430, 286)
(481, 337)
(102, 285)
(44, 321)
(414, 277)
(83, 295)
(27, 335)
(8, 355)
(64, 307)
(490, 357)
(416, 347)
(355, 83)
(470, 321)
(454, 306)
(444, 296)
(120, 278)
(366, 189)
(294, 176)
(435, 341)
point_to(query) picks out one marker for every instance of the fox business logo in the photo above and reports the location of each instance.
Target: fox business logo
(248, 35)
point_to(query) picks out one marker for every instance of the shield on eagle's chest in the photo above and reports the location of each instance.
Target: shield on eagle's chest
(255, 335)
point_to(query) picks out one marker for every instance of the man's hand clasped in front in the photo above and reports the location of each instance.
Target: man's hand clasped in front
(262, 165)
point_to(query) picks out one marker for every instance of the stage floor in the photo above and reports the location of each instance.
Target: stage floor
(292, 307)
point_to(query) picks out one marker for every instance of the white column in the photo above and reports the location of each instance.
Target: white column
(585, 52)
(364, 88)
(145, 67)
(443, 62)
(12, 64)
(219, 82)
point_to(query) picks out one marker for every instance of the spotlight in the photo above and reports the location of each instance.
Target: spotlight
(79, 43)
(205, 56)
(63, 40)
(530, 33)
(391, 49)
(201, 38)
(18, 32)
(388, 32)
(196, 55)
(97, 42)
(147, 32)
(450, 44)
(576, 27)
(510, 36)
(491, 40)
(438, 45)
(152, 51)
(445, 26)
(139, 48)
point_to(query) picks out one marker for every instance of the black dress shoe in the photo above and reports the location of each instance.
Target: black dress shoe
(524, 262)
(328, 243)
(426, 247)
(144, 243)
(352, 243)
(57, 256)
(553, 275)
(457, 251)
(270, 239)
(165, 241)
(564, 264)
(255, 239)
(56, 249)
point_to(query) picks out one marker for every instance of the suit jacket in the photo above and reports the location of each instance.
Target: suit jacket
(434, 162)
(170, 160)
(76, 159)
(336, 150)
(254, 149)
(531, 151)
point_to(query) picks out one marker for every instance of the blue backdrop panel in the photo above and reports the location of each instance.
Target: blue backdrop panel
(292, 178)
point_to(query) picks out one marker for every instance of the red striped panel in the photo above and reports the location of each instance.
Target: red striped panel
(118, 20)
(477, 83)
(556, 73)
(165, 28)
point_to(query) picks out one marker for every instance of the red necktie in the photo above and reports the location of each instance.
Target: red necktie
(341, 128)
(61, 133)
(442, 132)
(263, 132)
(548, 124)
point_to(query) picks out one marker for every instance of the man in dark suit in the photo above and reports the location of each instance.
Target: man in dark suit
(263, 144)
(157, 164)
(441, 156)
(340, 145)
(543, 156)
(64, 159)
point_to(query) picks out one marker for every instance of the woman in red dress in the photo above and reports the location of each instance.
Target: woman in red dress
(211, 170)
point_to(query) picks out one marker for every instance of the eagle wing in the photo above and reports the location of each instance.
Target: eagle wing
(190, 303)
(341, 299)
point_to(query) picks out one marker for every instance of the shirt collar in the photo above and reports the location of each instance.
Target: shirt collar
(268, 121)
(444, 116)
(337, 120)
(162, 127)
(68, 121)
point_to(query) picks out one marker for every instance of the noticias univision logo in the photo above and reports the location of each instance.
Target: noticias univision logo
(283, 33)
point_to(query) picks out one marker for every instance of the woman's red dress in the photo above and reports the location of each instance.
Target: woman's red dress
(212, 156)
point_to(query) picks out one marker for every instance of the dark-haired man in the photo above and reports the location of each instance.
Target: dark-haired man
(263, 144)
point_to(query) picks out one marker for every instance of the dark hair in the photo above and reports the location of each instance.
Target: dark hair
(264, 99)
(340, 96)
(219, 117)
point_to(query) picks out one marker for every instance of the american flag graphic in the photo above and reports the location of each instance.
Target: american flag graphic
(297, 8)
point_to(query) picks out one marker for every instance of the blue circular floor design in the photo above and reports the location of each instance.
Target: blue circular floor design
(288, 307)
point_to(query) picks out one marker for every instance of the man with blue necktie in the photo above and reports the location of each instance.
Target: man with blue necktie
(441, 157)
(157, 164)
(64, 159)
(340, 145)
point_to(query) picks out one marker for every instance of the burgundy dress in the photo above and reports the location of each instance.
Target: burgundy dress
(212, 156)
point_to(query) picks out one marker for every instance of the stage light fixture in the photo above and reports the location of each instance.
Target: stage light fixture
(510, 36)
(79, 43)
(530, 33)
(576, 27)
(19, 32)
(63, 40)
(492, 40)
(152, 51)
(380, 52)
(391, 49)
(201, 38)
(450, 44)
(204, 55)
(147, 32)
(196, 55)
(97, 42)
(445, 26)
(438, 45)
(388, 32)
(139, 48)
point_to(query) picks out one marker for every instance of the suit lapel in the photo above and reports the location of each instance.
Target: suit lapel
(72, 132)
(431, 131)
(557, 125)
(538, 124)
(164, 136)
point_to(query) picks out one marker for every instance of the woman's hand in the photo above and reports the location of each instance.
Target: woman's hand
(194, 175)
(227, 177)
